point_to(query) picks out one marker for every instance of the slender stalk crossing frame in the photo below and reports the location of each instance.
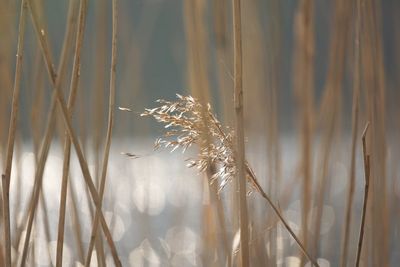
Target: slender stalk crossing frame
(355, 112)
(6, 177)
(367, 172)
(67, 145)
(111, 107)
(239, 125)
(82, 161)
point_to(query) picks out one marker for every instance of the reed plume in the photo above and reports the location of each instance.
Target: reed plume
(187, 126)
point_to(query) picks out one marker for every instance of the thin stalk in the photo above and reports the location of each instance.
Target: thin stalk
(45, 221)
(43, 152)
(373, 74)
(304, 79)
(67, 145)
(9, 11)
(6, 177)
(98, 95)
(356, 93)
(254, 180)
(82, 161)
(223, 47)
(239, 125)
(38, 101)
(330, 107)
(44, 149)
(111, 107)
(75, 221)
(272, 134)
(367, 173)
(220, 213)
(198, 81)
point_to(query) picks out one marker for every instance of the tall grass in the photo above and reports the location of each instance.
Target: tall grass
(291, 83)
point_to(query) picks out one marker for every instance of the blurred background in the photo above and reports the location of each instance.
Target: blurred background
(314, 73)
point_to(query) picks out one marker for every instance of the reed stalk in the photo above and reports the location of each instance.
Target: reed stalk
(111, 108)
(67, 145)
(239, 126)
(6, 177)
(375, 101)
(198, 82)
(304, 92)
(367, 173)
(82, 161)
(330, 107)
(355, 111)
(43, 149)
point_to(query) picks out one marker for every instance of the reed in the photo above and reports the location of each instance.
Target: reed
(11, 136)
(367, 173)
(198, 82)
(111, 107)
(183, 119)
(67, 145)
(304, 92)
(45, 147)
(355, 115)
(279, 89)
(239, 126)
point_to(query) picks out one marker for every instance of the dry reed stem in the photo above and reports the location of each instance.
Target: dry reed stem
(38, 102)
(373, 71)
(382, 218)
(45, 221)
(38, 179)
(273, 135)
(330, 105)
(75, 221)
(6, 177)
(304, 78)
(355, 111)
(239, 126)
(367, 173)
(42, 202)
(369, 86)
(67, 145)
(219, 16)
(72, 21)
(82, 161)
(99, 77)
(222, 46)
(36, 126)
(326, 150)
(15, 226)
(196, 38)
(9, 10)
(18, 186)
(111, 107)
(197, 62)
(41, 159)
(280, 216)
(220, 213)
(223, 57)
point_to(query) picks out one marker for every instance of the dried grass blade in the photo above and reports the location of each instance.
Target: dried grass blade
(11, 134)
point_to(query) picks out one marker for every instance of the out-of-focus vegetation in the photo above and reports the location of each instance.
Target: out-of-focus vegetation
(82, 186)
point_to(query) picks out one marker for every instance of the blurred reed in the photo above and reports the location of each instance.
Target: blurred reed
(291, 82)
